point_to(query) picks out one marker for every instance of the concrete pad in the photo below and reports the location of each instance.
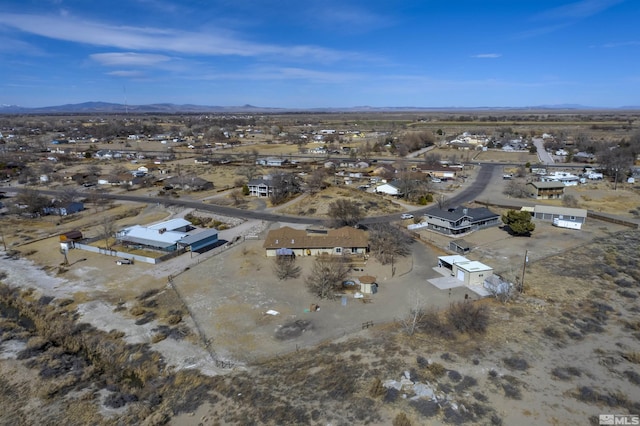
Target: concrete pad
(446, 283)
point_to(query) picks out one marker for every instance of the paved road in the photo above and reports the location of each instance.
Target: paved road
(474, 189)
(543, 155)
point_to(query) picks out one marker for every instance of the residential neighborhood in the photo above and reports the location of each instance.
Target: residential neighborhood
(240, 240)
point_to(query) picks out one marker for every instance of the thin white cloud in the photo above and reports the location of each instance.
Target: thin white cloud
(126, 74)
(538, 31)
(119, 59)
(155, 39)
(621, 44)
(10, 45)
(286, 73)
(578, 10)
(487, 55)
(561, 17)
(348, 18)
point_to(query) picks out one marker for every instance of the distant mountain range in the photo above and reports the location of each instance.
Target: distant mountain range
(168, 108)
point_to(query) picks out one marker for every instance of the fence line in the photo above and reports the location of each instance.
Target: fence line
(115, 253)
(206, 343)
(296, 346)
(590, 213)
(367, 324)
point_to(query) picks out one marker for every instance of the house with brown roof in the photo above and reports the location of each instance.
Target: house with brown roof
(546, 190)
(438, 171)
(302, 242)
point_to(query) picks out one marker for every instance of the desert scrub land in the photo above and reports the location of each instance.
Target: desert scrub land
(318, 204)
(561, 353)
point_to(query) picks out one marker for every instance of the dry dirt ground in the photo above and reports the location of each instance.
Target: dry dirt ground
(562, 353)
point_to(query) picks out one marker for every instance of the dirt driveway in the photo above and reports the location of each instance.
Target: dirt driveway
(230, 294)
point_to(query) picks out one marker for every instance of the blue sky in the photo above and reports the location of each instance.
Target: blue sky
(332, 53)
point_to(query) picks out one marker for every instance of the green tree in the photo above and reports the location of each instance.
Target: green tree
(245, 190)
(519, 222)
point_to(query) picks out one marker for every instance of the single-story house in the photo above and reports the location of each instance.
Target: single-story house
(193, 183)
(391, 188)
(64, 209)
(383, 170)
(460, 220)
(302, 242)
(461, 145)
(553, 213)
(584, 157)
(567, 178)
(438, 171)
(546, 190)
(272, 161)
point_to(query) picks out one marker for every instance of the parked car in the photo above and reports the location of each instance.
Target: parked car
(406, 216)
(436, 180)
(124, 262)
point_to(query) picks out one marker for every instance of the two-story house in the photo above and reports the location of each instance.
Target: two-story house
(460, 220)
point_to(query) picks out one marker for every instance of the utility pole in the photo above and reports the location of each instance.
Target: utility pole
(524, 268)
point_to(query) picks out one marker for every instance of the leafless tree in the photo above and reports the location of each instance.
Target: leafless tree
(249, 166)
(414, 319)
(616, 160)
(504, 292)
(68, 194)
(516, 189)
(285, 267)
(442, 201)
(236, 196)
(326, 274)
(45, 172)
(107, 225)
(521, 172)
(387, 243)
(315, 182)
(118, 170)
(284, 185)
(98, 197)
(93, 170)
(569, 200)
(344, 212)
(32, 199)
(432, 159)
